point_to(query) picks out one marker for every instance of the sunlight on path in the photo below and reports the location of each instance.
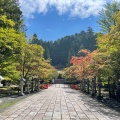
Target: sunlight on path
(59, 102)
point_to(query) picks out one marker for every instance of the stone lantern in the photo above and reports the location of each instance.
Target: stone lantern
(22, 80)
(88, 86)
(93, 86)
(39, 84)
(118, 91)
(99, 88)
(28, 86)
(32, 85)
(1, 78)
(36, 82)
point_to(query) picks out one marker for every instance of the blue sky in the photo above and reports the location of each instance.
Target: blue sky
(53, 19)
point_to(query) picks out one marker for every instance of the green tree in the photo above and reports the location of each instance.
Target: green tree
(109, 44)
(34, 39)
(46, 53)
(11, 9)
(11, 43)
(29, 59)
(105, 16)
(71, 53)
(90, 42)
(32, 62)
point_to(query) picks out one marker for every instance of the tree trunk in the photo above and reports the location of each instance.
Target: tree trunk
(99, 88)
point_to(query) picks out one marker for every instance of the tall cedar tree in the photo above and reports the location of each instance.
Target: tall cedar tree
(105, 19)
(11, 9)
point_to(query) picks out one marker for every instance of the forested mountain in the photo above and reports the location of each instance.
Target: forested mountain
(61, 50)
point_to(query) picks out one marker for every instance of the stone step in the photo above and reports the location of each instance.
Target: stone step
(59, 81)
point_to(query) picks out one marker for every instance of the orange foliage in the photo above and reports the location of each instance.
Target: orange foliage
(86, 66)
(80, 60)
(81, 64)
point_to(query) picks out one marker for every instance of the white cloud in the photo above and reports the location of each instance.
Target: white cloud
(80, 8)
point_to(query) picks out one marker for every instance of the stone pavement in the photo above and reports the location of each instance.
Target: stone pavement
(59, 102)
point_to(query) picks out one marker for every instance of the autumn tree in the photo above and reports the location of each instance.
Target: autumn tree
(79, 68)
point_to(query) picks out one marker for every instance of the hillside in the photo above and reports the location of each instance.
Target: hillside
(61, 50)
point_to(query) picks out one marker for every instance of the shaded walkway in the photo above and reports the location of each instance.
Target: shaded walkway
(59, 102)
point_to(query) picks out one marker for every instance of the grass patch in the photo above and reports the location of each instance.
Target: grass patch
(9, 103)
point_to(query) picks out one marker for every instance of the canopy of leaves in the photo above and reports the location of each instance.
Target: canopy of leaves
(11, 43)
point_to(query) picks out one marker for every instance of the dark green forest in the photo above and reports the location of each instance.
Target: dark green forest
(61, 50)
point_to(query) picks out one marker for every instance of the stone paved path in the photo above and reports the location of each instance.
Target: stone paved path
(59, 103)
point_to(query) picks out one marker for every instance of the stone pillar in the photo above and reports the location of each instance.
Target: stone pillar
(109, 87)
(99, 88)
(118, 93)
(83, 85)
(35, 81)
(53, 81)
(32, 85)
(38, 85)
(113, 88)
(88, 86)
(28, 85)
(21, 86)
(93, 85)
